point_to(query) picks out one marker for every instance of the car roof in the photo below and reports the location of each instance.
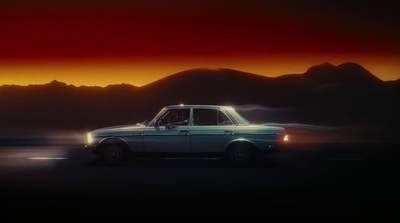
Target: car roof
(198, 106)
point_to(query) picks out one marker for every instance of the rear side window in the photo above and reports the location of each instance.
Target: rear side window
(223, 119)
(210, 117)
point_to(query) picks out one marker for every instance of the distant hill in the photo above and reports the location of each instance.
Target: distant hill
(347, 73)
(325, 94)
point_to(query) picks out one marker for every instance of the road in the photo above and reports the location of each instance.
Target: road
(321, 182)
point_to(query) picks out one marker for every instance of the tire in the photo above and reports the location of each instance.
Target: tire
(113, 155)
(240, 155)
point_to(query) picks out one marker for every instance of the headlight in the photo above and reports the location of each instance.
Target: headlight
(286, 138)
(89, 138)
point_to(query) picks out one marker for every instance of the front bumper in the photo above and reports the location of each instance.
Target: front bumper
(93, 148)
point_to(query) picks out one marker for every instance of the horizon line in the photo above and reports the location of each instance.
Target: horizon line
(182, 71)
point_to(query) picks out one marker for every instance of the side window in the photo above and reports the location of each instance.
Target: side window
(205, 117)
(223, 119)
(210, 117)
(174, 117)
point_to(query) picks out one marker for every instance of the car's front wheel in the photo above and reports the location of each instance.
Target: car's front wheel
(113, 155)
(240, 155)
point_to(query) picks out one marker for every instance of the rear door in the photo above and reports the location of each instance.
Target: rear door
(210, 131)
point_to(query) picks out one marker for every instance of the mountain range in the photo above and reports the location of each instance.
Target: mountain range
(325, 94)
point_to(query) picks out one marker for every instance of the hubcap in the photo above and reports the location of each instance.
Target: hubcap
(113, 153)
(240, 154)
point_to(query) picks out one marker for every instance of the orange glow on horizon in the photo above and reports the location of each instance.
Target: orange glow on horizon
(138, 42)
(140, 73)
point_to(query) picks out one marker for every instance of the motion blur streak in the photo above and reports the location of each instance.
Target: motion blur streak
(262, 114)
(307, 133)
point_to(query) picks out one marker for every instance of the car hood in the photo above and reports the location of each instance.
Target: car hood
(119, 130)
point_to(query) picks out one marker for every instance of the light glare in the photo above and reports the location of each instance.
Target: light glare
(286, 138)
(89, 138)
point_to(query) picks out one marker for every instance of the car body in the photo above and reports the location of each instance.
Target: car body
(188, 130)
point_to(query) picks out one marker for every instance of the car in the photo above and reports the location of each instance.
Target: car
(188, 130)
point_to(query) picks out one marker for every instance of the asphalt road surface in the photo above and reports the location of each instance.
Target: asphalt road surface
(321, 182)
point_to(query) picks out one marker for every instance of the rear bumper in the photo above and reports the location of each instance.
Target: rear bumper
(272, 148)
(262, 152)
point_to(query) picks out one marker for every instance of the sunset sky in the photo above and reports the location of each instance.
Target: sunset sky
(137, 42)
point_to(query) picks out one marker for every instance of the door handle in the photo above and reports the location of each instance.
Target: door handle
(228, 132)
(184, 132)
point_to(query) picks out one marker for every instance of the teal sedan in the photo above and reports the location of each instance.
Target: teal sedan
(188, 130)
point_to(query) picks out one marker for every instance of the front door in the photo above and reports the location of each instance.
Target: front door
(170, 133)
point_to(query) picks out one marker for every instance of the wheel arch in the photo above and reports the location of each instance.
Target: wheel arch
(241, 141)
(113, 140)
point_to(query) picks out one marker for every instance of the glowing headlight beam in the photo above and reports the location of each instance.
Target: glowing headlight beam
(89, 138)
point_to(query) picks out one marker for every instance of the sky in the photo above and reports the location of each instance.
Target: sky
(97, 43)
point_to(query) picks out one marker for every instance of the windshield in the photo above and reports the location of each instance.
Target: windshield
(239, 119)
(145, 122)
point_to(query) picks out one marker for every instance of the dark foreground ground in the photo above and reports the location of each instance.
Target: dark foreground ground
(314, 182)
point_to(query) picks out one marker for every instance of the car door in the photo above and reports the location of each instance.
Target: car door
(169, 133)
(210, 131)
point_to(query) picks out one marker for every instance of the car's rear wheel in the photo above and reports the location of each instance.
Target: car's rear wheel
(240, 155)
(113, 155)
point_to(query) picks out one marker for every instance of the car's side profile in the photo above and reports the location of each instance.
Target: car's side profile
(192, 130)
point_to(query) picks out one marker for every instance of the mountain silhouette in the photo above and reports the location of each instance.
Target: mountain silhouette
(324, 94)
(347, 73)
